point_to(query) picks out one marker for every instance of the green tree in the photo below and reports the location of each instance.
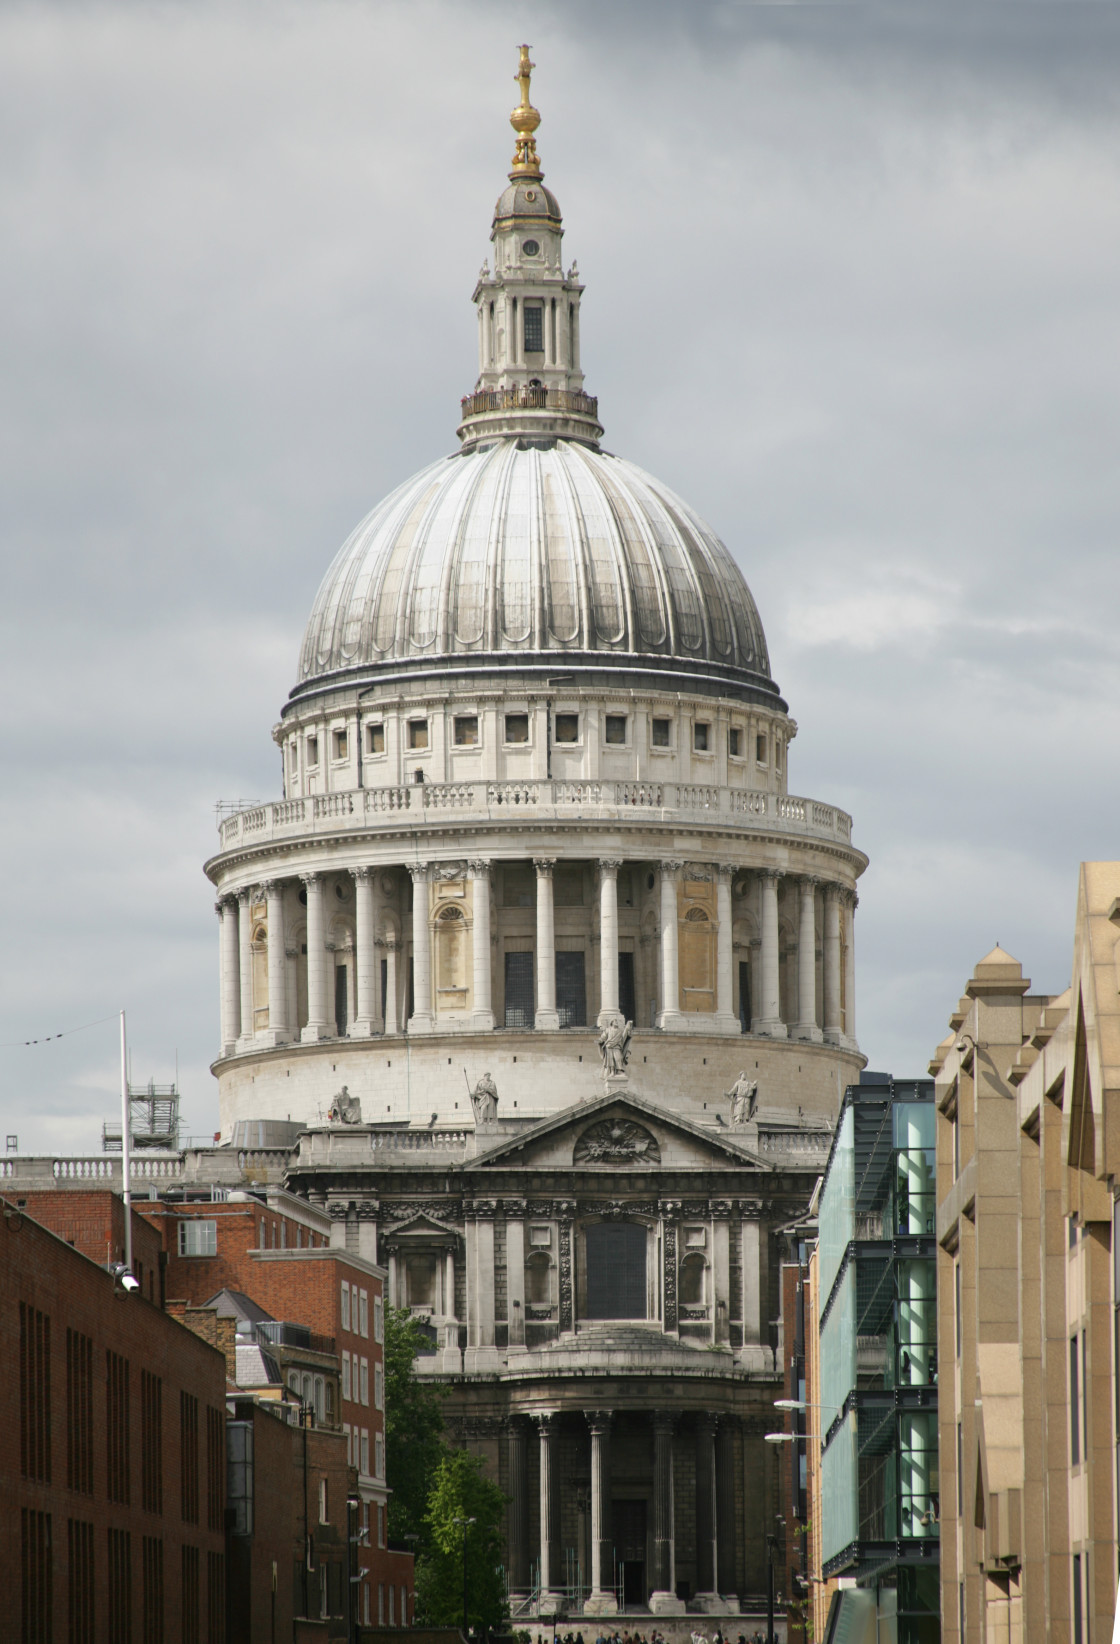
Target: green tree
(460, 1493)
(413, 1429)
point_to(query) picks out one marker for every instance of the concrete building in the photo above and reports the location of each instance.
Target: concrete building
(536, 981)
(879, 1490)
(1028, 1152)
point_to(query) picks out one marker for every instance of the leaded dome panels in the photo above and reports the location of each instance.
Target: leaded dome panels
(554, 551)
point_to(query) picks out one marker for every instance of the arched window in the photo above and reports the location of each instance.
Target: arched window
(320, 1398)
(538, 1280)
(698, 961)
(451, 959)
(693, 1274)
(616, 1270)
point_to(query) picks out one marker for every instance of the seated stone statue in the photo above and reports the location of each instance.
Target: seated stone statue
(345, 1109)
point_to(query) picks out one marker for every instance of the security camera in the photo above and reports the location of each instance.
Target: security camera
(129, 1281)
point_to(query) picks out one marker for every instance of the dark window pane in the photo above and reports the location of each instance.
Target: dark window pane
(517, 727)
(567, 727)
(519, 990)
(466, 731)
(534, 328)
(616, 1271)
(659, 733)
(627, 1002)
(700, 738)
(616, 728)
(340, 1000)
(571, 990)
(745, 995)
(519, 887)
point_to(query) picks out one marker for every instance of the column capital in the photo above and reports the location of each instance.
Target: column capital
(707, 1422)
(833, 890)
(363, 876)
(479, 869)
(664, 1421)
(545, 1421)
(244, 895)
(271, 887)
(222, 903)
(419, 871)
(810, 881)
(609, 865)
(312, 879)
(727, 870)
(768, 875)
(848, 898)
(598, 1421)
(670, 864)
(544, 866)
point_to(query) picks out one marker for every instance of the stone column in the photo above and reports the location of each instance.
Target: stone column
(518, 1507)
(833, 1026)
(245, 965)
(608, 938)
(481, 1354)
(726, 1019)
(725, 1511)
(551, 1563)
(663, 1599)
(318, 1013)
(770, 1022)
(451, 1359)
(392, 1024)
(670, 1017)
(421, 1020)
(547, 1016)
(482, 1010)
(850, 902)
(707, 1594)
(721, 1270)
(229, 973)
(755, 1356)
(366, 1013)
(807, 1028)
(602, 1600)
(277, 964)
(515, 1272)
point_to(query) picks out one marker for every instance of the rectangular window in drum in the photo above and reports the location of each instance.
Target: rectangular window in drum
(627, 1001)
(659, 733)
(567, 727)
(734, 742)
(375, 739)
(534, 328)
(466, 730)
(418, 733)
(615, 733)
(700, 738)
(571, 990)
(517, 727)
(519, 990)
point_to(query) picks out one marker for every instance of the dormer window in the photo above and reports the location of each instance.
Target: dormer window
(534, 328)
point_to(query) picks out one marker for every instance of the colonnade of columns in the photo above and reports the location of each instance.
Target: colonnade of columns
(366, 1018)
(714, 1549)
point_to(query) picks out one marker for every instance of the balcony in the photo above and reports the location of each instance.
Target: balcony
(439, 804)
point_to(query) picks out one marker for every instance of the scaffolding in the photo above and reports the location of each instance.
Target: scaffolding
(153, 1119)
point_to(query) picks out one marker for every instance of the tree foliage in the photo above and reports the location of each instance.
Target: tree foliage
(413, 1429)
(459, 1491)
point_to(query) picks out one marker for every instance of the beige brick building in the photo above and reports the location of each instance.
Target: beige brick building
(1028, 1098)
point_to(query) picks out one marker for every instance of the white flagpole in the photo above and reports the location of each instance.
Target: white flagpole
(126, 1151)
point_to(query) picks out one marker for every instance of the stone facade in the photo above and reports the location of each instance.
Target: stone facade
(1028, 1151)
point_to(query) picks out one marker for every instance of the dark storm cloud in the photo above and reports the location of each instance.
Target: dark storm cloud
(851, 280)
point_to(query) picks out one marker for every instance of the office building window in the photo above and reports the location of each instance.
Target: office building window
(345, 1306)
(151, 1442)
(188, 1457)
(363, 1313)
(118, 1455)
(151, 1554)
(79, 1412)
(34, 1394)
(198, 1237)
(37, 1569)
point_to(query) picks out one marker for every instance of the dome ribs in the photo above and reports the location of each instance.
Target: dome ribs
(540, 549)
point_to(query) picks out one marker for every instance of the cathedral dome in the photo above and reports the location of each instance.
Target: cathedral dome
(536, 555)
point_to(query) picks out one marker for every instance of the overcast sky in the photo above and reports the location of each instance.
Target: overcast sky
(852, 279)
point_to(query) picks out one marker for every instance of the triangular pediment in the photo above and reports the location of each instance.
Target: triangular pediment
(620, 1131)
(419, 1229)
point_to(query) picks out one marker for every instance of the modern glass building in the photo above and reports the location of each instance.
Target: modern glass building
(878, 1364)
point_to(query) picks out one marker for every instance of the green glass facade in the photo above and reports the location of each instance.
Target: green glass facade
(878, 1353)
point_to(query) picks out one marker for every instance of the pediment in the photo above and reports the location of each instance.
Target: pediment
(617, 1133)
(418, 1229)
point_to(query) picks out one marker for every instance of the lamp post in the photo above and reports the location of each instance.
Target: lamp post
(466, 1524)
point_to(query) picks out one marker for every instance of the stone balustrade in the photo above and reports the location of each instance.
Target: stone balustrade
(675, 803)
(102, 1169)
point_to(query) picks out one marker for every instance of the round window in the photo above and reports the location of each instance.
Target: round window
(530, 248)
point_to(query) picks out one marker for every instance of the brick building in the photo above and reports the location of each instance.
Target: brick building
(91, 1220)
(112, 1448)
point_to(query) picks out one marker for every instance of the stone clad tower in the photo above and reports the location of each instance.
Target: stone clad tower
(537, 970)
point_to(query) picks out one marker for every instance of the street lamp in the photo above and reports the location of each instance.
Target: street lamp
(466, 1523)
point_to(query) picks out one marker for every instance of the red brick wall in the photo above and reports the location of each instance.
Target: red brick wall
(93, 1222)
(49, 1277)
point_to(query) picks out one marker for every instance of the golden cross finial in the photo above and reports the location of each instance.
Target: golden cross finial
(525, 121)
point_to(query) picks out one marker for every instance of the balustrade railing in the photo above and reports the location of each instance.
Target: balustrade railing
(335, 812)
(530, 399)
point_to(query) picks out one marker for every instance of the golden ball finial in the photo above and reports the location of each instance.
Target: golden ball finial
(525, 120)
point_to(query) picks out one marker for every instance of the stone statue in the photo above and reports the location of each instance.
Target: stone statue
(614, 1045)
(743, 1097)
(484, 1100)
(345, 1109)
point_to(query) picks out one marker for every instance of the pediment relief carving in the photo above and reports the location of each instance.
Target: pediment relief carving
(617, 1141)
